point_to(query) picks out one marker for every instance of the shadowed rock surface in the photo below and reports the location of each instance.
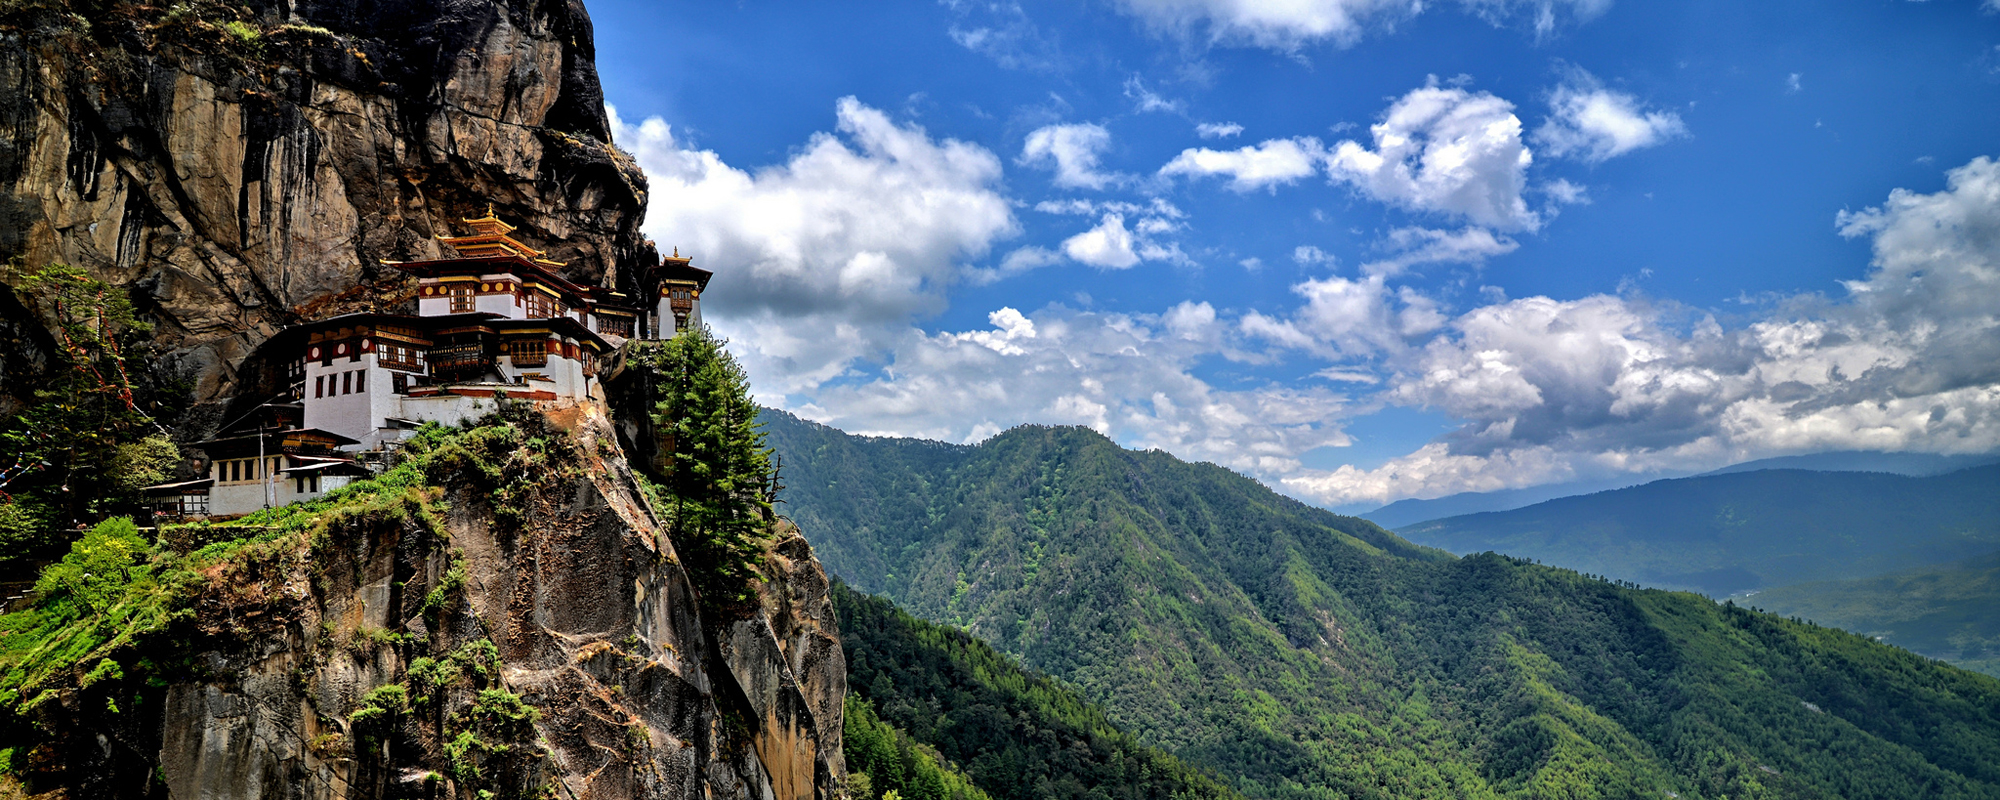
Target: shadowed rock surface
(638, 689)
(239, 168)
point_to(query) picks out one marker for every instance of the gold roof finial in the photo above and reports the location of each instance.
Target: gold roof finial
(490, 238)
(677, 251)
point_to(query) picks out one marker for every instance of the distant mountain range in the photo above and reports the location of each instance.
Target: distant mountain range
(1401, 513)
(1302, 654)
(1916, 465)
(1949, 611)
(1736, 532)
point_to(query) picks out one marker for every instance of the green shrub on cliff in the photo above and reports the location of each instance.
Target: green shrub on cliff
(106, 593)
(116, 589)
(88, 440)
(714, 469)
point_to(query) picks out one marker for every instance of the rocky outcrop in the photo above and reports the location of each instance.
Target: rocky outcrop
(241, 167)
(556, 587)
(530, 631)
(785, 656)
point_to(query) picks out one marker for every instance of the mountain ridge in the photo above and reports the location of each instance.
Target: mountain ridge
(1736, 532)
(1410, 511)
(1948, 611)
(1301, 653)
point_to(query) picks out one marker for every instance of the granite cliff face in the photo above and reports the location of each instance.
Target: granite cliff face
(241, 167)
(525, 629)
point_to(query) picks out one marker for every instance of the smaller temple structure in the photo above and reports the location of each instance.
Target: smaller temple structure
(497, 321)
(265, 459)
(679, 294)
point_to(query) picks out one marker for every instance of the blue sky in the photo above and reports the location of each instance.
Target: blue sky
(1362, 250)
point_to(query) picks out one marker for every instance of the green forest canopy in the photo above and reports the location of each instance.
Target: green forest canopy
(1303, 654)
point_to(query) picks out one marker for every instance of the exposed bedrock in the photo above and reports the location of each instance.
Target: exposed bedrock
(592, 622)
(239, 168)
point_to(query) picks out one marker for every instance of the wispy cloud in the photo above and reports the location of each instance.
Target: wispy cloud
(1073, 151)
(1288, 25)
(1593, 123)
(1266, 165)
(1147, 101)
(1218, 130)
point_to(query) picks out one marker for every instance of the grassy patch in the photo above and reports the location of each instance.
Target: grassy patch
(116, 590)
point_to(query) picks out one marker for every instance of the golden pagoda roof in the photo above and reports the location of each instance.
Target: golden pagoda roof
(490, 237)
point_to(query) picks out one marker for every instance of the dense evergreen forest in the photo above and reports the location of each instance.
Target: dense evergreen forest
(1730, 533)
(1016, 735)
(1303, 654)
(1950, 611)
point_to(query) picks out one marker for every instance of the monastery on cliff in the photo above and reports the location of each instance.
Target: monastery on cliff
(495, 321)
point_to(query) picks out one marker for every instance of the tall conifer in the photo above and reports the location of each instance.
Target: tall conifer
(718, 468)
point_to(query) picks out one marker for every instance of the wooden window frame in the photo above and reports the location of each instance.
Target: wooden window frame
(539, 305)
(528, 352)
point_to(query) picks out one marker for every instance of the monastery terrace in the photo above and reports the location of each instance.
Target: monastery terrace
(496, 321)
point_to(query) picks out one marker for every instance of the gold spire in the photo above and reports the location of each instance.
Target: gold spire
(489, 238)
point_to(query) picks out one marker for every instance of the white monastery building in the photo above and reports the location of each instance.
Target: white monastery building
(496, 321)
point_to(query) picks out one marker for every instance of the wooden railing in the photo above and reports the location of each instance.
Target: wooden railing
(459, 358)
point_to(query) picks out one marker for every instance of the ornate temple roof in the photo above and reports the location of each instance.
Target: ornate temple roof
(490, 237)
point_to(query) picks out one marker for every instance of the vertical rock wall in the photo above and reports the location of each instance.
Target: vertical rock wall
(238, 168)
(236, 185)
(592, 622)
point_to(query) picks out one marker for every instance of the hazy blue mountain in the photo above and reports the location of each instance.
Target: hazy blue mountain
(1912, 464)
(1736, 532)
(1405, 512)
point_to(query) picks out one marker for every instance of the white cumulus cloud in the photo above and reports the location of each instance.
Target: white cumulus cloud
(1073, 151)
(831, 253)
(1127, 375)
(1552, 389)
(1107, 246)
(1447, 151)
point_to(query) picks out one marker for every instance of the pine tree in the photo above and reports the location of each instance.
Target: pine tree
(718, 468)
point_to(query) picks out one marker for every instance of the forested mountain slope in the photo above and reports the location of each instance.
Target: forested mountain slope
(1950, 611)
(1737, 532)
(1304, 654)
(1016, 735)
